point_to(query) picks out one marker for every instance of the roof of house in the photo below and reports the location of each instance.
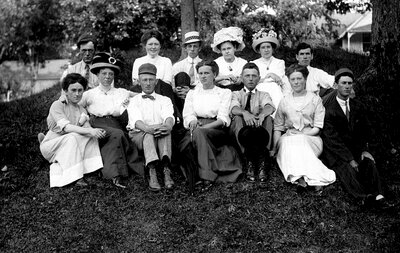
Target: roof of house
(361, 25)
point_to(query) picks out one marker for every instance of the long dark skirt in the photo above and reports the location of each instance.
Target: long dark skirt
(118, 153)
(216, 159)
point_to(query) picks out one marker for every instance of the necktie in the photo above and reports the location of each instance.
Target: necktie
(148, 96)
(191, 73)
(247, 107)
(87, 73)
(347, 110)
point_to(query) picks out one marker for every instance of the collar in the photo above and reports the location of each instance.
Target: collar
(152, 94)
(190, 59)
(106, 92)
(342, 102)
(247, 90)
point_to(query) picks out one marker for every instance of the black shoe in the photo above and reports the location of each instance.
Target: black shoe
(250, 172)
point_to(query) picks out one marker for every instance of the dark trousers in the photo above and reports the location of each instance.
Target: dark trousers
(359, 184)
(252, 141)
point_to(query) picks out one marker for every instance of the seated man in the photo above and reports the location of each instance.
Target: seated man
(345, 137)
(150, 123)
(252, 124)
(318, 81)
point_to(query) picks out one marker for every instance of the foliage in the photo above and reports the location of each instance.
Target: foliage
(30, 29)
(119, 24)
(344, 6)
(11, 81)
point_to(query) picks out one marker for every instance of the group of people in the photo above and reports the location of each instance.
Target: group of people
(210, 117)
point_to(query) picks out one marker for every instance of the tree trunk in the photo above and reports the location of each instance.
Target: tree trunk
(380, 83)
(188, 21)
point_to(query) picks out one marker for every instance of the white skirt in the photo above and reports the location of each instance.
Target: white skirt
(298, 157)
(71, 156)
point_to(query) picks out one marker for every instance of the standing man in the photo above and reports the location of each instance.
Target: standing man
(252, 124)
(317, 78)
(150, 123)
(191, 45)
(86, 45)
(345, 136)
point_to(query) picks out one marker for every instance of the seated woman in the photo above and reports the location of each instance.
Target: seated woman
(152, 42)
(272, 70)
(206, 115)
(71, 144)
(105, 104)
(298, 121)
(227, 41)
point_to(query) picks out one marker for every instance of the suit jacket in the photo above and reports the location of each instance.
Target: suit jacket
(344, 140)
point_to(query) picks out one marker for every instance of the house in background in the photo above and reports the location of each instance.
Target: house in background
(355, 36)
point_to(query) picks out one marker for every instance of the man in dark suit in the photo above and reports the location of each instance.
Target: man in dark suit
(345, 135)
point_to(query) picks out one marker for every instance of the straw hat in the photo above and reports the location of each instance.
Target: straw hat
(191, 37)
(264, 35)
(228, 34)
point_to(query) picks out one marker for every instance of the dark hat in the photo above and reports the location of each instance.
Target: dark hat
(148, 68)
(105, 60)
(342, 72)
(84, 38)
(182, 79)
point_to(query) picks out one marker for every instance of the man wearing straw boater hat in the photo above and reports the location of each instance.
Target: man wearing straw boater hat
(191, 45)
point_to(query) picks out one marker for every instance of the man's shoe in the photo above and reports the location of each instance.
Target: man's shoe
(262, 175)
(250, 172)
(168, 182)
(40, 137)
(117, 181)
(153, 181)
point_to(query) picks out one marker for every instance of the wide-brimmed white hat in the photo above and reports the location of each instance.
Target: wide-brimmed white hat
(191, 37)
(228, 34)
(265, 35)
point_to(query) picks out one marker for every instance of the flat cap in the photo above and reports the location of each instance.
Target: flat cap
(84, 38)
(343, 71)
(148, 68)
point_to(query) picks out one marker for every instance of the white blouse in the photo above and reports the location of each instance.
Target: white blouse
(100, 103)
(209, 103)
(274, 65)
(163, 64)
(233, 68)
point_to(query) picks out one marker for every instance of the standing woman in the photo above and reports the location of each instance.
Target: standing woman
(227, 41)
(105, 103)
(152, 41)
(272, 70)
(71, 144)
(206, 115)
(298, 122)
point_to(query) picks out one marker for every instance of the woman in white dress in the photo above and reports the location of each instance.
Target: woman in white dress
(152, 41)
(226, 42)
(272, 70)
(298, 121)
(71, 144)
(206, 115)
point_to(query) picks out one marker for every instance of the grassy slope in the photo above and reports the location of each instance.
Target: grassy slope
(238, 217)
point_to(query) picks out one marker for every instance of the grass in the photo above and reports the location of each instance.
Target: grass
(239, 217)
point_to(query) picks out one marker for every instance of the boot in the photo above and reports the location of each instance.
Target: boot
(153, 181)
(262, 175)
(250, 172)
(168, 182)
